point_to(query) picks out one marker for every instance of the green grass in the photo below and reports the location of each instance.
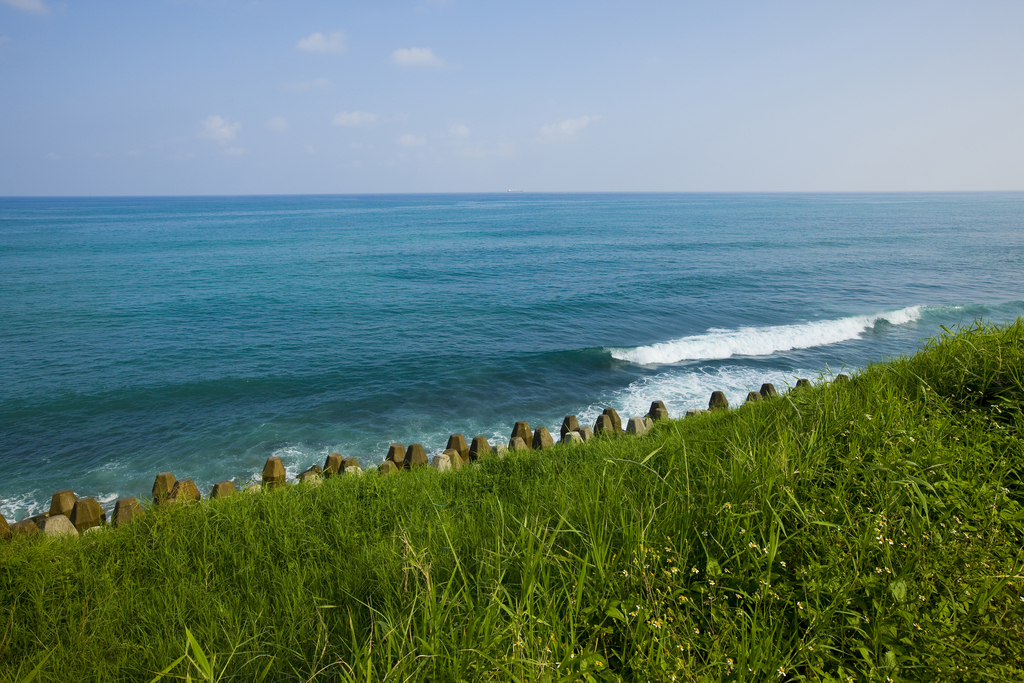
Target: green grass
(858, 531)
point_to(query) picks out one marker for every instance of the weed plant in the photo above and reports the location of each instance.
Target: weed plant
(867, 530)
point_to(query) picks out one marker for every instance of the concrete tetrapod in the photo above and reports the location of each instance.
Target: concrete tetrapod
(443, 462)
(842, 378)
(718, 401)
(313, 475)
(803, 384)
(616, 420)
(63, 502)
(273, 473)
(457, 443)
(396, 454)
(636, 426)
(517, 444)
(572, 437)
(387, 467)
(586, 433)
(569, 424)
(768, 390)
(480, 448)
(25, 527)
(333, 465)
(351, 465)
(87, 513)
(454, 459)
(5, 529)
(39, 519)
(125, 510)
(58, 525)
(415, 457)
(184, 491)
(522, 431)
(658, 411)
(542, 439)
(753, 396)
(223, 489)
(162, 487)
(604, 425)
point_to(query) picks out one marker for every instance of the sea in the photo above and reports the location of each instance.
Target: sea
(201, 335)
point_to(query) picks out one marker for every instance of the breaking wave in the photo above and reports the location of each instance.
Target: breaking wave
(761, 341)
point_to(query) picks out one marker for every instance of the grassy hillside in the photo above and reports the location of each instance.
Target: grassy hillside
(858, 531)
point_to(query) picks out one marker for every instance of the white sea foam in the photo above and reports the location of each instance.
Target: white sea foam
(761, 341)
(295, 459)
(107, 498)
(684, 389)
(23, 505)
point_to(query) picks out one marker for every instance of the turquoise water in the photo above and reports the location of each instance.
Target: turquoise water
(202, 335)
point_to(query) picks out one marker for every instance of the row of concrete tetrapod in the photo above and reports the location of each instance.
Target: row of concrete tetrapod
(457, 453)
(71, 515)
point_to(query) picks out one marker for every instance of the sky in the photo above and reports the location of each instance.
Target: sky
(236, 97)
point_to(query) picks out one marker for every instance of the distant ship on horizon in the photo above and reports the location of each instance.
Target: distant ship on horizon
(515, 190)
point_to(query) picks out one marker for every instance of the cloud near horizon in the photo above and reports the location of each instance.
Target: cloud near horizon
(567, 129)
(34, 6)
(318, 42)
(218, 129)
(416, 56)
(353, 118)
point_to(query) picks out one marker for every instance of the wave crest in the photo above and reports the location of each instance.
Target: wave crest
(761, 341)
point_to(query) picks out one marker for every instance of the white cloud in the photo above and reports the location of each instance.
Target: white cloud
(28, 6)
(309, 85)
(218, 129)
(459, 130)
(566, 130)
(318, 42)
(410, 140)
(234, 151)
(279, 123)
(416, 56)
(353, 118)
(502, 149)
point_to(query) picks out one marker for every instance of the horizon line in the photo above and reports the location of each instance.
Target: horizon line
(516, 192)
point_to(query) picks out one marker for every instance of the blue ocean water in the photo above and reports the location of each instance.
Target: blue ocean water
(202, 335)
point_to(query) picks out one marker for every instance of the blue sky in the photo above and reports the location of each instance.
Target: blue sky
(263, 97)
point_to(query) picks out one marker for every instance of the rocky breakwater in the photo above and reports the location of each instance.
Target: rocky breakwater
(70, 515)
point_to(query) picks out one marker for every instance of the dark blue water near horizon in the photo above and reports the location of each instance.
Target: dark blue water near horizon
(201, 335)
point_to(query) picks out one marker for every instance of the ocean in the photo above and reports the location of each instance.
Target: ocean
(201, 335)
